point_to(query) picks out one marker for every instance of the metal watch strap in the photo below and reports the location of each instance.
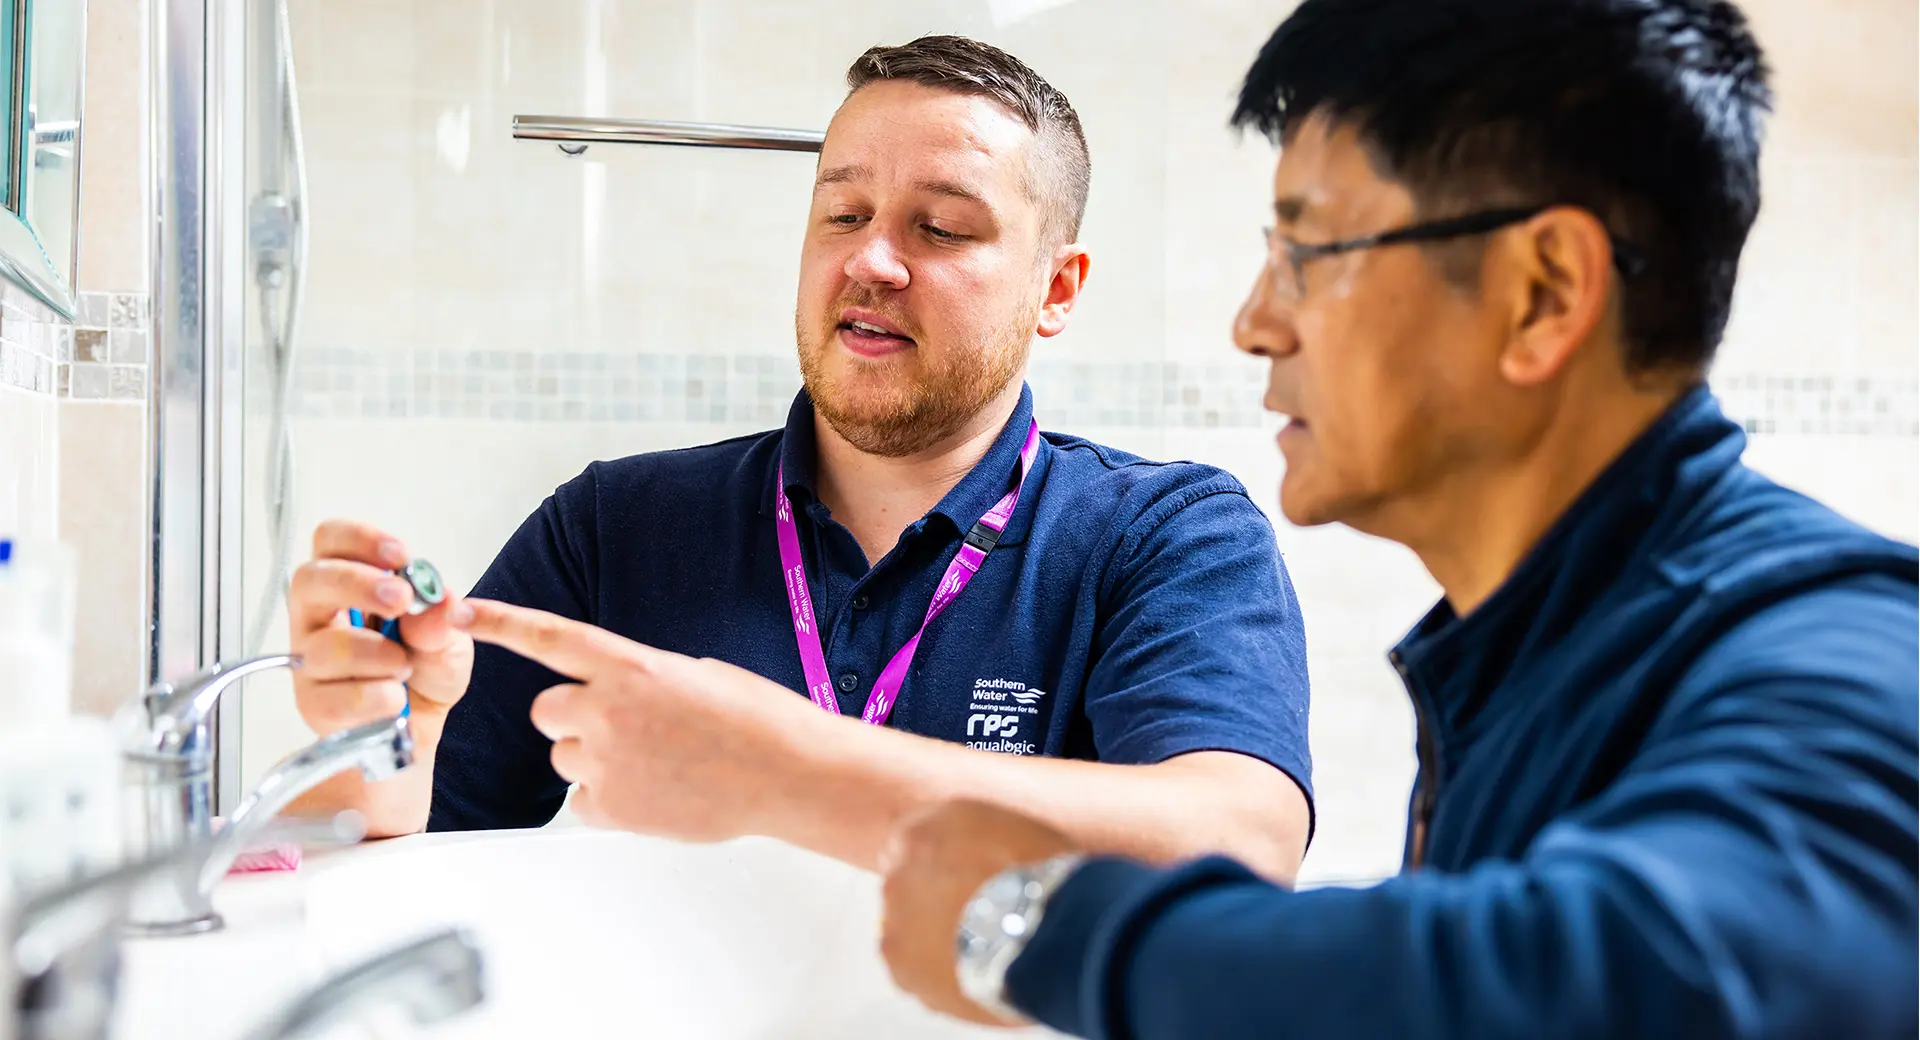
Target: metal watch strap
(982, 965)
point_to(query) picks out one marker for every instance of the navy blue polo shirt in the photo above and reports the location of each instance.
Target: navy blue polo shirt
(1132, 611)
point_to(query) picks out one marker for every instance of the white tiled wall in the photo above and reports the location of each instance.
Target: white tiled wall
(31, 339)
(435, 232)
(29, 467)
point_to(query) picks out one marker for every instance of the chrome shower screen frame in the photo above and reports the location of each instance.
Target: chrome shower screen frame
(195, 605)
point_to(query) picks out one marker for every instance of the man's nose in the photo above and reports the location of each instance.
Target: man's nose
(877, 261)
(1264, 327)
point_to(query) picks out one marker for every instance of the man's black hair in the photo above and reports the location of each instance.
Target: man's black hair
(1645, 112)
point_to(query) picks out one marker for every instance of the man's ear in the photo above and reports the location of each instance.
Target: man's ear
(1070, 266)
(1558, 272)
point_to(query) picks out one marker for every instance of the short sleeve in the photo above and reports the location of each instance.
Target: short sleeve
(1200, 645)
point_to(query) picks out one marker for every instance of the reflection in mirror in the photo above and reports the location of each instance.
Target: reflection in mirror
(50, 128)
(42, 62)
(12, 40)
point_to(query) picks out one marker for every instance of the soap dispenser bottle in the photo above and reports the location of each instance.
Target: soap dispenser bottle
(59, 775)
(36, 633)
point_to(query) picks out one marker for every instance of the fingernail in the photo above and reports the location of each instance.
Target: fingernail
(392, 552)
(393, 593)
(461, 615)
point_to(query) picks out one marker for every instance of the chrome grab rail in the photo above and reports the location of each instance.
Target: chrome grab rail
(584, 130)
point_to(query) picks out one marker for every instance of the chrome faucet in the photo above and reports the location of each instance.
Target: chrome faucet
(432, 979)
(60, 946)
(60, 968)
(168, 772)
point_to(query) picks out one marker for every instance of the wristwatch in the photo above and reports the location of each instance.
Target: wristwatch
(996, 925)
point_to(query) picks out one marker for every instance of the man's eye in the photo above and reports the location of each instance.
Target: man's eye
(845, 219)
(942, 235)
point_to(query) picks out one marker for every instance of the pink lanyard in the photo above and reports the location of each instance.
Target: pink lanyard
(886, 689)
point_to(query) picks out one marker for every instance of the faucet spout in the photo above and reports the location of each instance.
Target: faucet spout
(433, 979)
(378, 749)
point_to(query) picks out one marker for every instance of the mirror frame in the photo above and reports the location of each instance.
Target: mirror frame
(23, 259)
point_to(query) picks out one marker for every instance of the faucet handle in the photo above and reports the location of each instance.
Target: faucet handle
(171, 718)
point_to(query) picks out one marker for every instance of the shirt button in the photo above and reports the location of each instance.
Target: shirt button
(861, 602)
(848, 681)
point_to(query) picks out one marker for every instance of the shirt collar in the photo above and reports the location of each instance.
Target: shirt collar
(1649, 488)
(962, 506)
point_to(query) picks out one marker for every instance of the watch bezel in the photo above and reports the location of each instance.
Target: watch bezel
(985, 946)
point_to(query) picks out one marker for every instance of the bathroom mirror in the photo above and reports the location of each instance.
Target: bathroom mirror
(42, 63)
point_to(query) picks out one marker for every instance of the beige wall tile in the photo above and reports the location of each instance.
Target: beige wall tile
(656, 56)
(113, 204)
(103, 461)
(1218, 198)
(458, 47)
(1827, 279)
(29, 465)
(539, 56)
(1796, 306)
(361, 157)
(101, 490)
(1844, 72)
(751, 54)
(365, 47)
(868, 23)
(1887, 264)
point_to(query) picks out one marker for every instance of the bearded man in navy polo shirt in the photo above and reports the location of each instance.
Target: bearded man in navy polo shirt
(908, 594)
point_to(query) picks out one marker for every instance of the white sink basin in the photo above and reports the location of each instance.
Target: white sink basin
(584, 933)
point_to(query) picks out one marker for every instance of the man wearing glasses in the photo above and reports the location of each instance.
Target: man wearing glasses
(1667, 709)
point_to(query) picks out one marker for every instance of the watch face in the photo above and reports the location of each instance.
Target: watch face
(995, 927)
(1004, 891)
(992, 909)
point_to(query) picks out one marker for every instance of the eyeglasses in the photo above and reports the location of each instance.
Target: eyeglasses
(1287, 258)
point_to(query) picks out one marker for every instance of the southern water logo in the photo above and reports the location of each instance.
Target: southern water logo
(1005, 713)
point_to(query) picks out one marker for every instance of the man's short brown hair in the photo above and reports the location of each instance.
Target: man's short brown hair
(964, 66)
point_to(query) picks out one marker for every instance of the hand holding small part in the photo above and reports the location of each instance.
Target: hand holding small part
(353, 675)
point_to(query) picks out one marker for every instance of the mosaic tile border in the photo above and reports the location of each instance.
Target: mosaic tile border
(110, 351)
(32, 337)
(1821, 405)
(639, 387)
(583, 386)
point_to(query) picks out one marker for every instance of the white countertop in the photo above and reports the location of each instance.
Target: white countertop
(585, 934)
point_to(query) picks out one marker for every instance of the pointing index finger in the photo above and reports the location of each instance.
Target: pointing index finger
(571, 648)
